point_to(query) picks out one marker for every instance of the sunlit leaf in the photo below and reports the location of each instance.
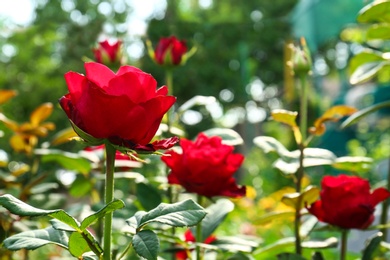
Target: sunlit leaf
(333, 114)
(364, 112)
(308, 226)
(288, 118)
(363, 57)
(41, 113)
(353, 33)
(278, 245)
(237, 243)
(353, 163)
(328, 243)
(270, 144)
(37, 238)
(71, 161)
(229, 136)
(12, 125)
(7, 94)
(367, 71)
(19, 144)
(63, 136)
(146, 244)
(377, 11)
(197, 101)
(78, 245)
(307, 197)
(379, 31)
(265, 219)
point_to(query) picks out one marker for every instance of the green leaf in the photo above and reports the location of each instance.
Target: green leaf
(366, 71)
(87, 137)
(20, 208)
(70, 161)
(78, 245)
(290, 256)
(236, 243)
(265, 219)
(180, 214)
(358, 164)
(378, 32)
(377, 11)
(81, 186)
(148, 196)
(278, 245)
(216, 213)
(270, 144)
(34, 239)
(241, 256)
(229, 136)
(363, 57)
(110, 207)
(364, 112)
(328, 243)
(146, 244)
(372, 244)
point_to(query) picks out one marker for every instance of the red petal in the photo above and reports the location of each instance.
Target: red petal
(77, 84)
(127, 68)
(378, 196)
(98, 73)
(316, 210)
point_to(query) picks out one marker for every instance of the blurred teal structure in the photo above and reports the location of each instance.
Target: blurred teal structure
(322, 20)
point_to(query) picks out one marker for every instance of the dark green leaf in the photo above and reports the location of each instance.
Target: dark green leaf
(110, 207)
(146, 244)
(20, 208)
(364, 112)
(81, 186)
(372, 244)
(180, 214)
(148, 196)
(290, 256)
(36, 238)
(317, 256)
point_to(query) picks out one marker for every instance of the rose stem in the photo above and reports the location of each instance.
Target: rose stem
(344, 238)
(300, 172)
(109, 195)
(169, 83)
(198, 237)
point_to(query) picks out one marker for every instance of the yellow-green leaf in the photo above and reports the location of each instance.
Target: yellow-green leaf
(307, 197)
(285, 116)
(377, 11)
(6, 94)
(333, 114)
(41, 113)
(265, 219)
(64, 136)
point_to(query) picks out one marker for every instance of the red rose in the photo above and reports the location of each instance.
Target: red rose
(108, 52)
(205, 167)
(169, 51)
(189, 237)
(124, 108)
(346, 202)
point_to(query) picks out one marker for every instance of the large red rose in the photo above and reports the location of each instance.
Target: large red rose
(346, 202)
(169, 51)
(206, 167)
(108, 52)
(123, 107)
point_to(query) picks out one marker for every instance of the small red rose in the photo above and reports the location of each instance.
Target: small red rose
(108, 52)
(206, 167)
(347, 202)
(170, 51)
(189, 237)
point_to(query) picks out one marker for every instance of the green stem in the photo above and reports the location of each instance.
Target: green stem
(385, 207)
(109, 196)
(198, 236)
(299, 174)
(169, 83)
(344, 238)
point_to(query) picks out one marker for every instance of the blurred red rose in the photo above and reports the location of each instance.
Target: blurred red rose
(124, 108)
(189, 237)
(205, 167)
(346, 202)
(170, 51)
(108, 52)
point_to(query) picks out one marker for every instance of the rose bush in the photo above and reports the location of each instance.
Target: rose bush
(108, 52)
(346, 202)
(124, 108)
(206, 167)
(170, 51)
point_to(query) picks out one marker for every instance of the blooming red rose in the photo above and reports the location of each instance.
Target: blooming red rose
(108, 52)
(206, 167)
(170, 51)
(189, 237)
(346, 202)
(123, 107)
